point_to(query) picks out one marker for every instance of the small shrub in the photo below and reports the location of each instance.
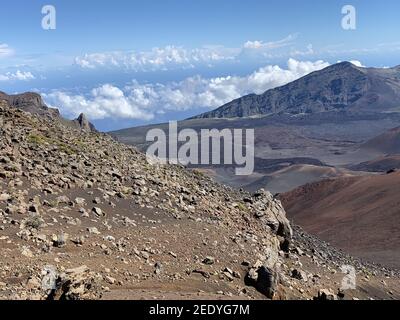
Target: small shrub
(36, 139)
(34, 222)
(242, 207)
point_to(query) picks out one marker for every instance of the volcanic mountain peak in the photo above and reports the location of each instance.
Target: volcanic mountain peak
(340, 87)
(344, 65)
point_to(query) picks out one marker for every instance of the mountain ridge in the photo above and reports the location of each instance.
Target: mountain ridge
(339, 87)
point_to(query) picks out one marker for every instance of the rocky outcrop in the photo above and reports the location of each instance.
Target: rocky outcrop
(30, 102)
(270, 212)
(83, 123)
(33, 103)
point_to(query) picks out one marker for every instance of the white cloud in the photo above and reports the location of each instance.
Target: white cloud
(157, 58)
(143, 101)
(354, 62)
(357, 63)
(5, 50)
(270, 45)
(174, 56)
(253, 44)
(18, 75)
(106, 101)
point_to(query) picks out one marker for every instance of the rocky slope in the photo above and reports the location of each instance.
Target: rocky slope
(340, 87)
(85, 217)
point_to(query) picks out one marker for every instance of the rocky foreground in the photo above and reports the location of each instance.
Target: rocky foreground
(85, 217)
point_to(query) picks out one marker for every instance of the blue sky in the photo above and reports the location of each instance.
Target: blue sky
(126, 63)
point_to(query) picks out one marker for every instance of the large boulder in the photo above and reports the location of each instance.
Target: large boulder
(76, 284)
(264, 274)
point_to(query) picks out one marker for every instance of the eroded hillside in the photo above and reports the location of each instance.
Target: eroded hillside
(85, 217)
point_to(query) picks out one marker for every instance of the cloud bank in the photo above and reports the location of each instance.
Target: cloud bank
(143, 101)
(18, 75)
(156, 59)
(171, 57)
(103, 102)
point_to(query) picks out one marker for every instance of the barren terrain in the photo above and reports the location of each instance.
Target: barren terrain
(85, 217)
